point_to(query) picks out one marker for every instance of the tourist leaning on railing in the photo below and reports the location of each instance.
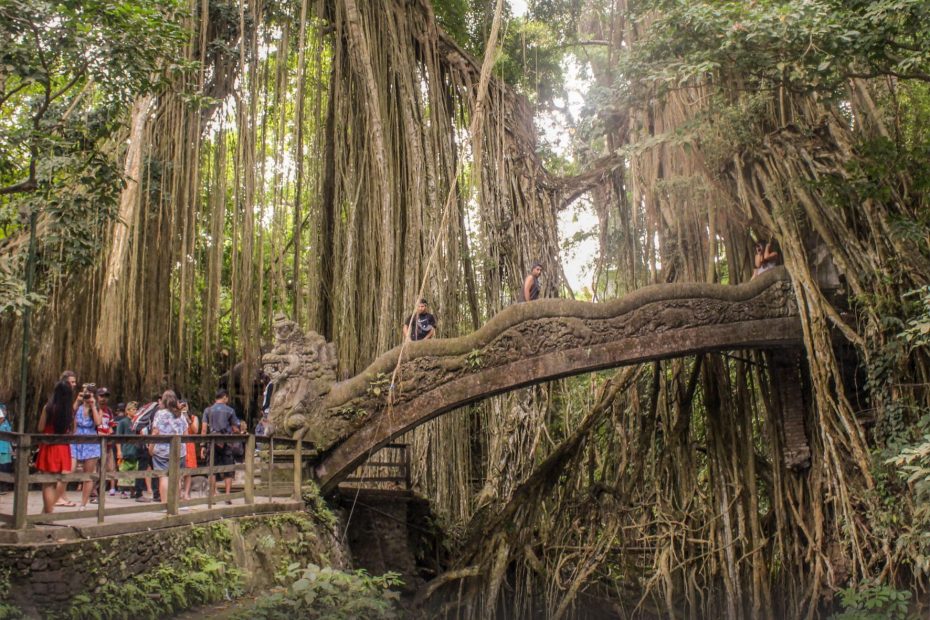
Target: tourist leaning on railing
(168, 421)
(56, 419)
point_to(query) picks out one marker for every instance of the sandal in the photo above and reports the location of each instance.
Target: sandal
(65, 504)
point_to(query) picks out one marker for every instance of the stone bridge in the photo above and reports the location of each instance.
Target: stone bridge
(522, 345)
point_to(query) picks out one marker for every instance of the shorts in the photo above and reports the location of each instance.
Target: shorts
(160, 463)
(223, 456)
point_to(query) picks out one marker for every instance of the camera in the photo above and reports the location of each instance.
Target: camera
(87, 391)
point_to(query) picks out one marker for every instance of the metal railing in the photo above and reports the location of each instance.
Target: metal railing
(262, 457)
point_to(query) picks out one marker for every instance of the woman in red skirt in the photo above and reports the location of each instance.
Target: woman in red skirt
(190, 456)
(57, 418)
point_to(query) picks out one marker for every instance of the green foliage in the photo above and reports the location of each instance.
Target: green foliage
(913, 462)
(533, 46)
(917, 329)
(69, 72)
(873, 601)
(198, 579)
(473, 359)
(316, 592)
(8, 611)
(316, 505)
(802, 45)
(380, 384)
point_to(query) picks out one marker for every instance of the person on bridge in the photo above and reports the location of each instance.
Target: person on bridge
(6, 449)
(56, 418)
(87, 419)
(220, 419)
(169, 420)
(531, 283)
(421, 325)
(766, 258)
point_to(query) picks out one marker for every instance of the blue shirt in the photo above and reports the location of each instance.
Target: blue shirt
(220, 419)
(6, 448)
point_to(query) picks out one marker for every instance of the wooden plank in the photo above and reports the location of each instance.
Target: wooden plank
(211, 477)
(174, 478)
(250, 470)
(218, 469)
(21, 485)
(76, 477)
(205, 500)
(91, 512)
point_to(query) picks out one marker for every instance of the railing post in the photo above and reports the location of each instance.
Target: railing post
(174, 474)
(211, 476)
(270, 467)
(298, 467)
(21, 482)
(102, 480)
(406, 461)
(250, 470)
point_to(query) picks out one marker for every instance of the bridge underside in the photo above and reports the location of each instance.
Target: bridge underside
(386, 425)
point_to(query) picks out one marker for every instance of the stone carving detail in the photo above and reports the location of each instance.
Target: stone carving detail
(303, 369)
(308, 398)
(546, 335)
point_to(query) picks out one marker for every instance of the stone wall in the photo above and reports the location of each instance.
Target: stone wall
(392, 531)
(45, 576)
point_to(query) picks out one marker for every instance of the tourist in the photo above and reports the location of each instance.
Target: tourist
(127, 454)
(6, 448)
(107, 427)
(87, 419)
(420, 325)
(170, 420)
(531, 283)
(142, 425)
(56, 418)
(766, 258)
(220, 419)
(190, 448)
(69, 377)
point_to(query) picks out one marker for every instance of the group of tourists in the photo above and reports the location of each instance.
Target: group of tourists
(86, 411)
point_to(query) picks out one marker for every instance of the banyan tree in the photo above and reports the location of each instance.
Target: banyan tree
(336, 160)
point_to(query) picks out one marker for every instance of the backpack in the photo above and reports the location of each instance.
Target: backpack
(142, 424)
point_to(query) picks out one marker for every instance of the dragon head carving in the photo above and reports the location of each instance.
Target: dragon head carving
(303, 370)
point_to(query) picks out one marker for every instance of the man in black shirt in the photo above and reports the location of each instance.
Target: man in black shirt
(420, 326)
